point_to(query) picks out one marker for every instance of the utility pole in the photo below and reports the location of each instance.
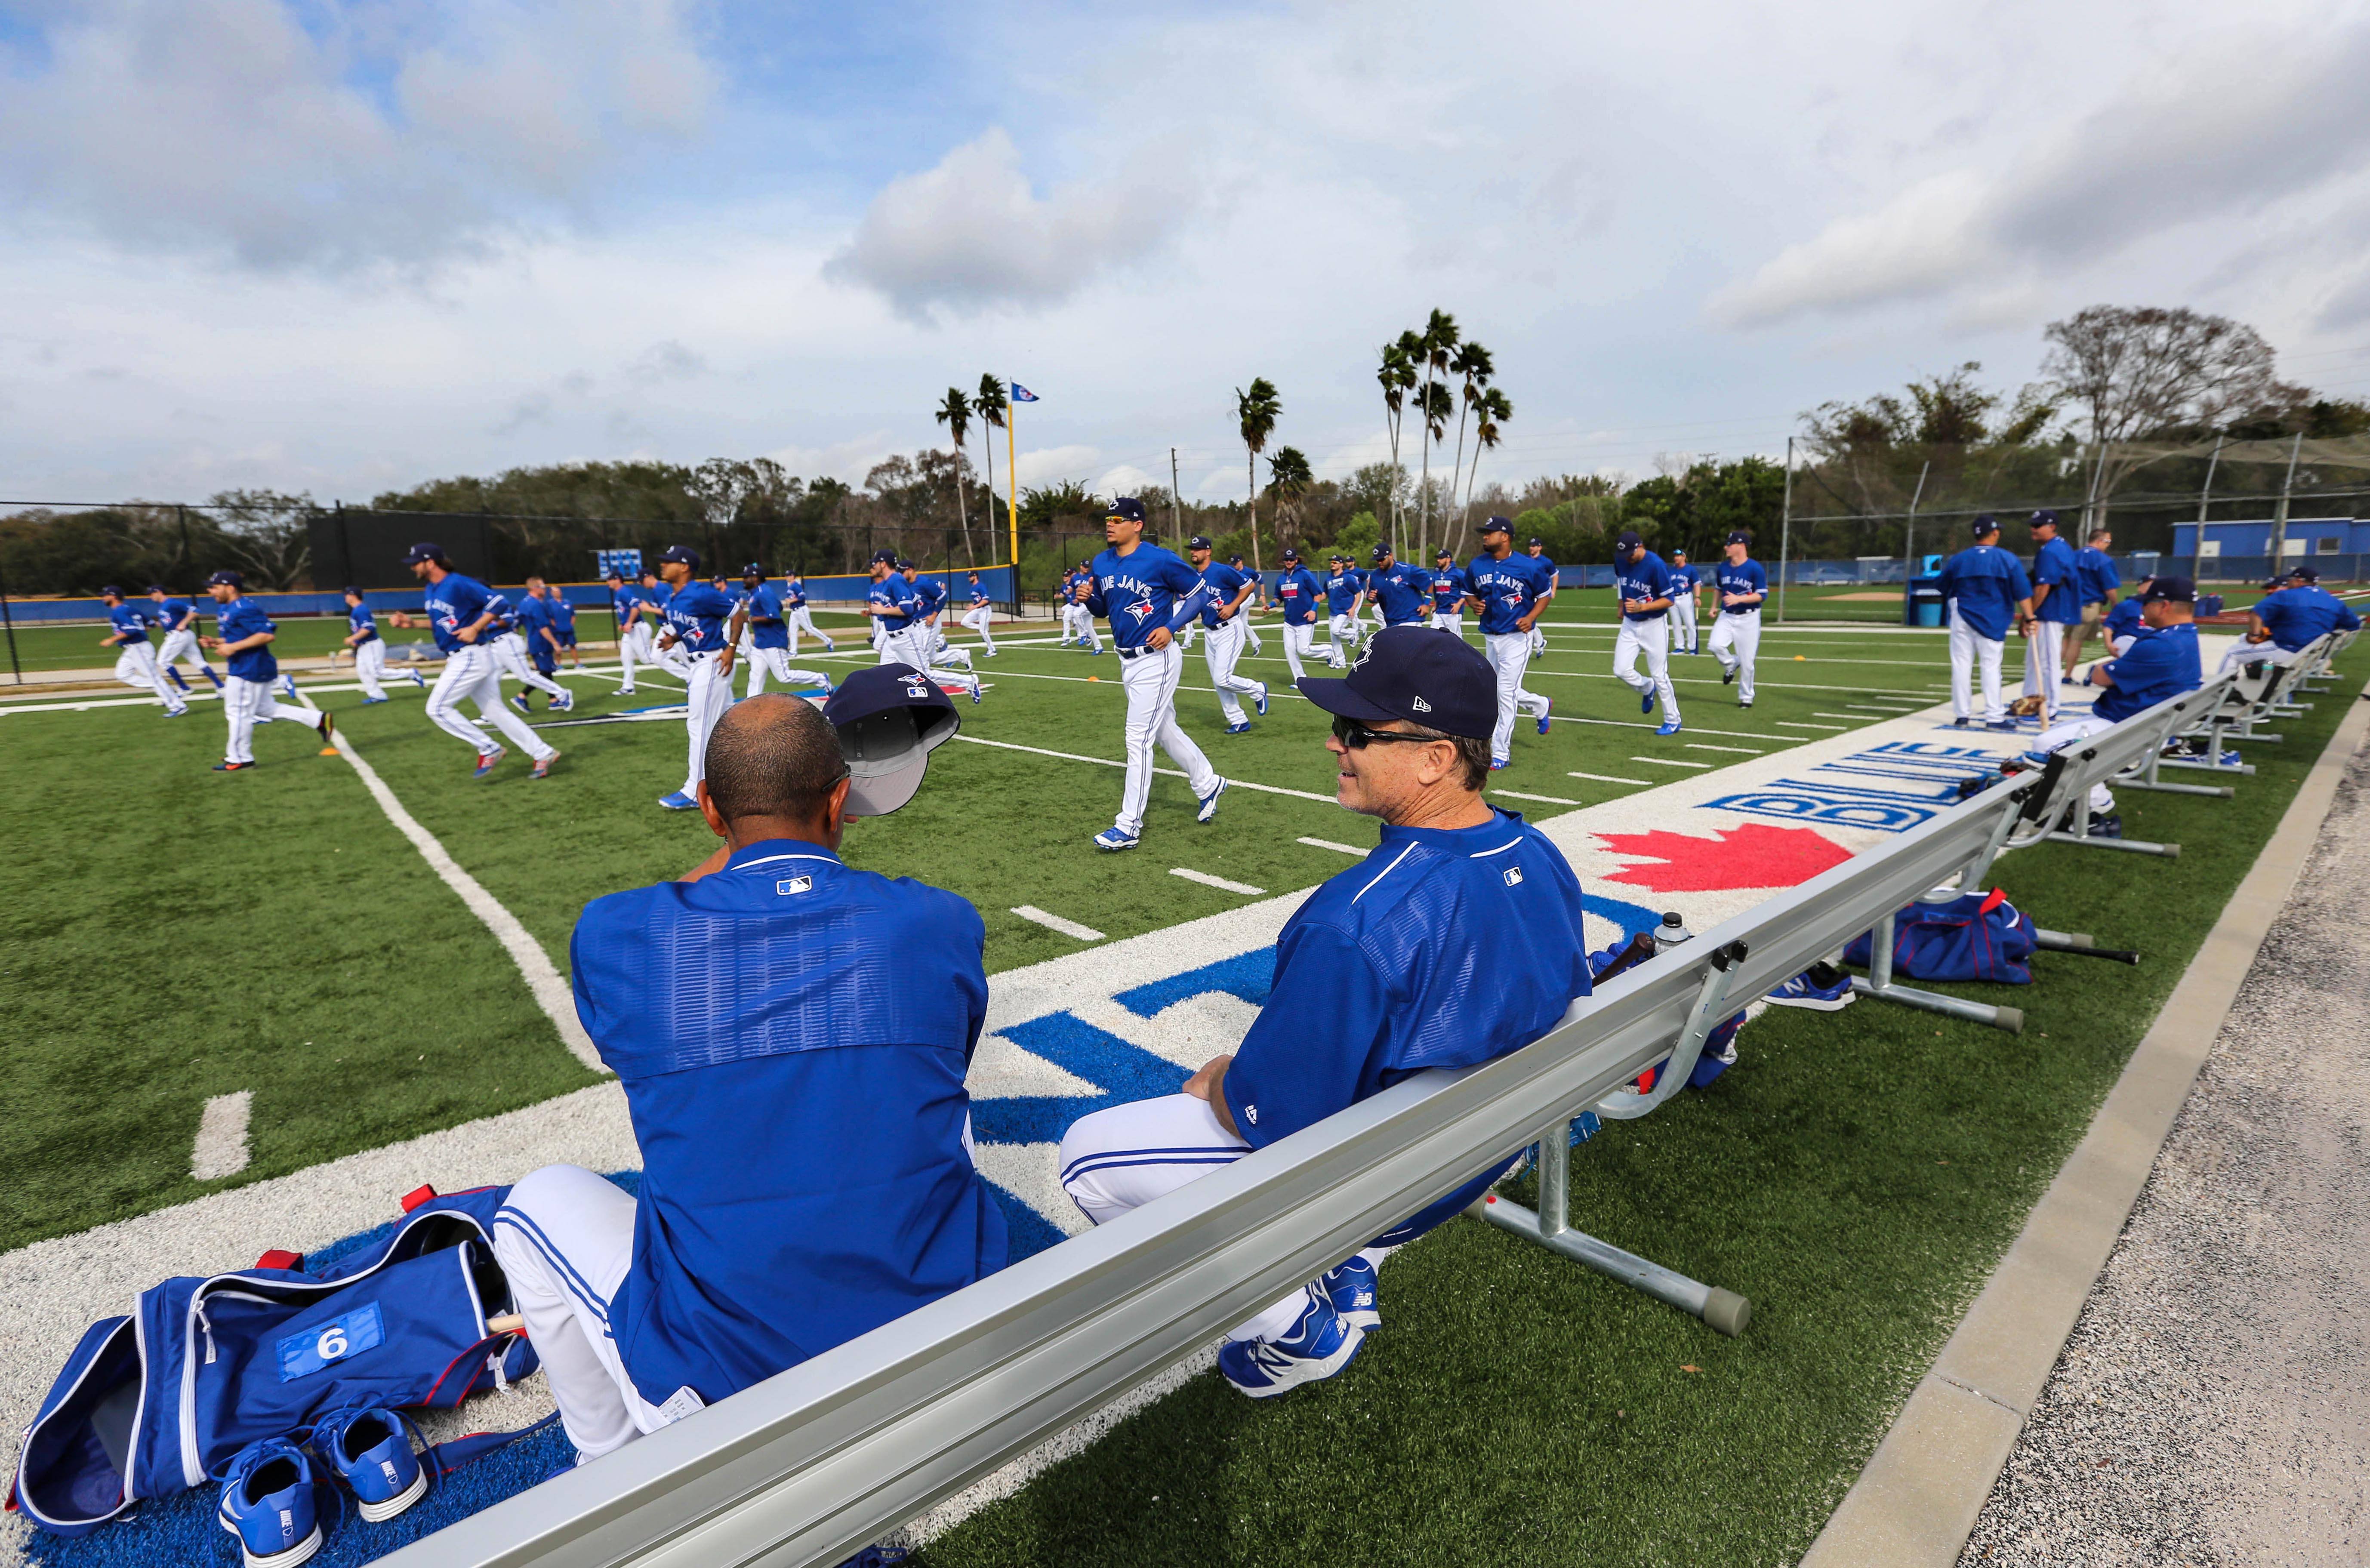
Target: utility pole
(1176, 503)
(2280, 522)
(1909, 542)
(1785, 528)
(2204, 498)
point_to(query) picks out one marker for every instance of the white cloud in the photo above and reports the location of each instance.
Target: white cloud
(665, 360)
(971, 232)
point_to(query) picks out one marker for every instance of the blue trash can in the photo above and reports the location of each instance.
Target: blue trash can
(1922, 605)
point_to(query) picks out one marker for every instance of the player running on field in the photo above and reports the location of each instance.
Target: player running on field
(1686, 586)
(369, 648)
(1643, 587)
(1449, 587)
(1257, 601)
(761, 616)
(801, 618)
(633, 642)
(1222, 623)
(563, 625)
(538, 626)
(1148, 595)
(1741, 586)
(1345, 591)
(926, 639)
(1508, 591)
(980, 616)
(1296, 589)
(1537, 550)
(243, 636)
(180, 619)
(1402, 594)
(461, 616)
(695, 614)
(507, 638)
(135, 657)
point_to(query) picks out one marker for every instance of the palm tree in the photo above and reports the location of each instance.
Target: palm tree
(1493, 409)
(1472, 363)
(1438, 341)
(1288, 478)
(1434, 405)
(989, 407)
(1396, 375)
(1257, 409)
(955, 414)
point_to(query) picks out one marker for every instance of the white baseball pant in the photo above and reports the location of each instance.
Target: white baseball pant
(1509, 655)
(2044, 649)
(1736, 642)
(135, 666)
(511, 654)
(1299, 642)
(1683, 624)
(1222, 645)
(633, 648)
(1449, 621)
(707, 693)
(2058, 735)
(912, 646)
(1343, 632)
(2245, 652)
(800, 620)
(1650, 637)
(1250, 632)
(248, 703)
(183, 645)
(1150, 679)
(775, 661)
(1538, 627)
(471, 674)
(1970, 649)
(981, 618)
(370, 665)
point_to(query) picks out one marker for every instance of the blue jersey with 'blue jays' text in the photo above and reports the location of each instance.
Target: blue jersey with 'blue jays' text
(1744, 577)
(1507, 590)
(768, 628)
(695, 615)
(1645, 578)
(1447, 947)
(2054, 566)
(1682, 581)
(791, 1035)
(1297, 591)
(1449, 585)
(1147, 588)
(1985, 583)
(2295, 616)
(243, 619)
(2163, 664)
(2094, 571)
(1404, 592)
(358, 618)
(454, 603)
(1221, 581)
(894, 595)
(131, 625)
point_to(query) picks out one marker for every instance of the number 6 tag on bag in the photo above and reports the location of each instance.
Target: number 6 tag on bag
(347, 1335)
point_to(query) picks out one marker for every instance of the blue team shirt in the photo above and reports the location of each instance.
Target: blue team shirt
(1402, 591)
(622, 602)
(506, 614)
(1220, 581)
(534, 616)
(1745, 577)
(1648, 579)
(1342, 591)
(1449, 585)
(453, 603)
(931, 592)
(1447, 947)
(1138, 592)
(131, 624)
(563, 614)
(358, 618)
(2095, 575)
(241, 618)
(895, 595)
(1297, 591)
(791, 1035)
(2123, 621)
(2055, 565)
(795, 594)
(2295, 616)
(2160, 666)
(1986, 583)
(655, 595)
(172, 612)
(1507, 590)
(697, 614)
(768, 628)
(1682, 581)
(1549, 567)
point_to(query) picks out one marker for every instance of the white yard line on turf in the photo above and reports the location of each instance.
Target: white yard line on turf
(550, 987)
(221, 1148)
(1232, 782)
(1609, 779)
(1706, 745)
(1221, 883)
(1055, 923)
(1670, 762)
(1795, 724)
(1338, 848)
(1543, 800)
(1633, 724)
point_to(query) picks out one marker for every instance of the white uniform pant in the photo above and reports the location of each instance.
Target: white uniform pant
(1250, 632)
(775, 661)
(1509, 655)
(881, 639)
(2042, 652)
(912, 646)
(370, 665)
(248, 703)
(1222, 645)
(471, 674)
(565, 1239)
(2065, 734)
(1683, 625)
(135, 666)
(1121, 1158)
(182, 645)
(633, 648)
(1651, 639)
(510, 653)
(981, 618)
(2245, 652)
(707, 693)
(1299, 642)
(1150, 679)
(1449, 621)
(1538, 627)
(1343, 630)
(800, 620)
(1736, 643)
(1970, 647)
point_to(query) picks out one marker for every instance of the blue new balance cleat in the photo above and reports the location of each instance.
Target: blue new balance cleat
(1822, 988)
(486, 761)
(679, 801)
(1210, 802)
(518, 700)
(1646, 703)
(288, 684)
(1112, 838)
(1259, 701)
(1499, 764)
(1318, 1345)
(371, 1451)
(417, 679)
(268, 1503)
(1669, 729)
(1543, 723)
(1352, 1290)
(180, 712)
(565, 703)
(375, 701)
(1242, 729)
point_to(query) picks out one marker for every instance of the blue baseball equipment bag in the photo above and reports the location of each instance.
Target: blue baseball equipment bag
(1974, 937)
(159, 1400)
(1719, 1052)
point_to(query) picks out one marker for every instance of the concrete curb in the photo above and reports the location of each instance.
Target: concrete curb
(1917, 1503)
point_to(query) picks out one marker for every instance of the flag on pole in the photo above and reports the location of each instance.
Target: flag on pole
(1021, 394)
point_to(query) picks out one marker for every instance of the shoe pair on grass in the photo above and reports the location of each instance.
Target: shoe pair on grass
(270, 1497)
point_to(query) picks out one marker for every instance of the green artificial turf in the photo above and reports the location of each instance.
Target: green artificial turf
(1856, 1174)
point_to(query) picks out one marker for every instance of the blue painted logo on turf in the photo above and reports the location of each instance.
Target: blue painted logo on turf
(1924, 777)
(349, 1333)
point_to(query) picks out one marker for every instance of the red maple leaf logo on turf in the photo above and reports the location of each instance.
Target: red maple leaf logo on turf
(1750, 855)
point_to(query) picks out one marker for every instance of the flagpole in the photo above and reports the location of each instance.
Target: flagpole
(1012, 486)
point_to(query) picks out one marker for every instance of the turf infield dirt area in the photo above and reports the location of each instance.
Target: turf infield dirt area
(192, 935)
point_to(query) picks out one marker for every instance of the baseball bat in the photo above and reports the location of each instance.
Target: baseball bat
(505, 1323)
(2081, 945)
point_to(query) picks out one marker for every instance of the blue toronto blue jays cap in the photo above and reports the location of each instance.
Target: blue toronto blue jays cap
(1628, 540)
(1535, 542)
(226, 580)
(683, 554)
(1382, 550)
(1496, 525)
(1740, 537)
(1289, 554)
(420, 552)
(884, 557)
(753, 568)
(1432, 679)
(1127, 507)
(2045, 518)
(2178, 589)
(1199, 542)
(890, 718)
(1986, 524)
(1444, 553)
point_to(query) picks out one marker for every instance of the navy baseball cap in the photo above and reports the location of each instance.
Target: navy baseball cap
(420, 552)
(1381, 550)
(156, 588)
(1432, 679)
(357, 592)
(905, 565)
(2045, 518)
(1496, 525)
(1127, 508)
(615, 575)
(2178, 589)
(1289, 554)
(890, 718)
(1199, 542)
(1234, 560)
(2306, 574)
(111, 591)
(683, 554)
(1986, 524)
(753, 569)
(226, 579)
(1627, 541)
(1740, 537)
(1535, 539)
(884, 557)
(1444, 553)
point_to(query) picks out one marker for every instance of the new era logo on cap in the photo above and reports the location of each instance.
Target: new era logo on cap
(1421, 706)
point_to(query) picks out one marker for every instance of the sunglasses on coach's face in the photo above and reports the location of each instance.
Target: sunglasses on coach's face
(1356, 736)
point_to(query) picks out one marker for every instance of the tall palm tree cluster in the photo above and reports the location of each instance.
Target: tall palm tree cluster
(956, 413)
(1421, 368)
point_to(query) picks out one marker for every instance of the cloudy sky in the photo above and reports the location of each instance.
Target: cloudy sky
(349, 245)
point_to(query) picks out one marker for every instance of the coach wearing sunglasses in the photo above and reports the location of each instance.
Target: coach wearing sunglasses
(1457, 941)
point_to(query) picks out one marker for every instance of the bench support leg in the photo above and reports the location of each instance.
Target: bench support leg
(1878, 982)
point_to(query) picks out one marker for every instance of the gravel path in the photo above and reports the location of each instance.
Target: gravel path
(2212, 1406)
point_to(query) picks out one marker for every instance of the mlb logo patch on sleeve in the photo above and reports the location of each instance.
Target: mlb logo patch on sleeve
(349, 1333)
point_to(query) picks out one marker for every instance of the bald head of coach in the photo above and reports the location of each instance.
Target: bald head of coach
(792, 1035)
